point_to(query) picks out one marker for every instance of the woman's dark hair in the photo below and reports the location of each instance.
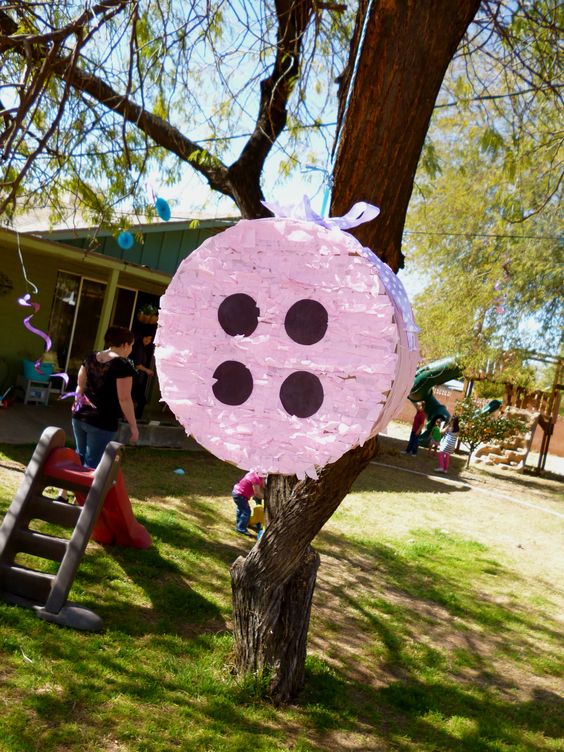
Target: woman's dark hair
(455, 424)
(116, 336)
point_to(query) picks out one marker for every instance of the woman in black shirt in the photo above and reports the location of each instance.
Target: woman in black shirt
(104, 396)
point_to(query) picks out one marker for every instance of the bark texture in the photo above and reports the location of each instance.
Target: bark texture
(271, 625)
(273, 586)
(404, 55)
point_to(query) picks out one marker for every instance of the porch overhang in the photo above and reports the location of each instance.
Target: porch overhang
(129, 273)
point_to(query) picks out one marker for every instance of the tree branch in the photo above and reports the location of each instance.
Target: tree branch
(159, 130)
(108, 9)
(241, 181)
(293, 20)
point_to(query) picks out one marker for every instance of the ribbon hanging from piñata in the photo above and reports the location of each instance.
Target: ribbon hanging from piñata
(358, 214)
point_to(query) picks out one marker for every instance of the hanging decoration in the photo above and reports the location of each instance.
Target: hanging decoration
(26, 301)
(163, 209)
(126, 240)
(161, 205)
(282, 343)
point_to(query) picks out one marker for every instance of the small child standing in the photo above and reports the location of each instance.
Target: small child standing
(250, 486)
(416, 429)
(448, 443)
(435, 437)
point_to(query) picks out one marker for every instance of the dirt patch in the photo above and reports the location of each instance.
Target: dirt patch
(369, 655)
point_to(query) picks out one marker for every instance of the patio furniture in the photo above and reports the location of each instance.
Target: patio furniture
(37, 387)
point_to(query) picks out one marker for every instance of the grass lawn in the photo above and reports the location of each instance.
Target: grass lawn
(434, 627)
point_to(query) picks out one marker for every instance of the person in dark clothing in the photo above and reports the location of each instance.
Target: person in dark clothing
(141, 356)
(103, 397)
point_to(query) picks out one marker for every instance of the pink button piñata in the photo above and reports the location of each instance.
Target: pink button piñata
(283, 344)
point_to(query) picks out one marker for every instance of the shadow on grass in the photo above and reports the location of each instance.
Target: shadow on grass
(399, 479)
(432, 640)
(180, 575)
(439, 715)
(528, 481)
(412, 575)
(448, 657)
(185, 567)
(17, 453)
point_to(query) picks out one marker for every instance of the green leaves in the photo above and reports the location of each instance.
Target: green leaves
(477, 426)
(150, 73)
(483, 229)
(491, 142)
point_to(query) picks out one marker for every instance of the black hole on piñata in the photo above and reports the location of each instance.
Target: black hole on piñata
(306, 322)
(238, 314)
(301, 394)
(234, 383)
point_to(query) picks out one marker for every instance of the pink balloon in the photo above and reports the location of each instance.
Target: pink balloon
(283, 344)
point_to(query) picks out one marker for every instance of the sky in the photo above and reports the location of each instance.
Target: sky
(193, 196)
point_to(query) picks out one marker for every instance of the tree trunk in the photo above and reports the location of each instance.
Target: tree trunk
(273, 586)
(271, 625)
(406, 51)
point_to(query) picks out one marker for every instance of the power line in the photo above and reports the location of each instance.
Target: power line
(485, 235)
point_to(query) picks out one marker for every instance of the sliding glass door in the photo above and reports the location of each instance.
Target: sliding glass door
(86, 322)
(75, 313)
(75, 316)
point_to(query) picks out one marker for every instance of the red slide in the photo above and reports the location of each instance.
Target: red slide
(116, 524)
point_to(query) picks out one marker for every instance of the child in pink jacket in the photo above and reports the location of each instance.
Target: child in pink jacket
(250, 486)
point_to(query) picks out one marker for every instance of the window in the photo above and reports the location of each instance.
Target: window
(75, 314)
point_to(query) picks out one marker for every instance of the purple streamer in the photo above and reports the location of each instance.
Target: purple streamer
(26, 300)
(65, 377)
(81, 400)
(41, 334)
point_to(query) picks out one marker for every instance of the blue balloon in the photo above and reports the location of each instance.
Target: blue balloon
(163, 209)
(126, 240)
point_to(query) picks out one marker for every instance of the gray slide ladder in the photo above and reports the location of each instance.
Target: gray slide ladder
(41, 591)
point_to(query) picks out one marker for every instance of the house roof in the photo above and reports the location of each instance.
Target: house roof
(70, 222)
(159, 246)
(454, 385)
(13, 240)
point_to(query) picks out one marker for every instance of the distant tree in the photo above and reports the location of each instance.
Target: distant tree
(478, 427)
(484, 229)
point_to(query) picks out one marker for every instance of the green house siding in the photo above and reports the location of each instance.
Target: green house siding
(161, 247)
(44, 260)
